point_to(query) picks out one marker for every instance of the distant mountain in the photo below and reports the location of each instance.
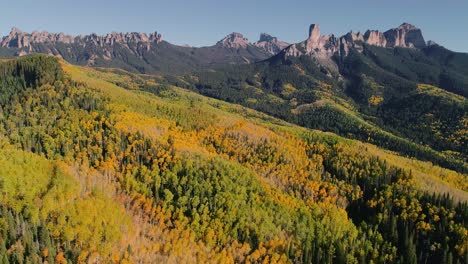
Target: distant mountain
(30, 42)
(137, 52)
(402, 51)
(389, 88)
(232, 49)
(234, 41)
(324, 47)
(270, 44)
(149, 53)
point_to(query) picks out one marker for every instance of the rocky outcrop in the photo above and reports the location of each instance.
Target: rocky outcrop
(406, 35)
(139, 52)
(92, 46)
(324, 47)
(376, 38)
(321, 47)
(313, 41)
(350, 40)
(351, 36)
(234, 41)
(270, 44)
(267, 44)
(21, 40)
(148, 53)
(14, 39)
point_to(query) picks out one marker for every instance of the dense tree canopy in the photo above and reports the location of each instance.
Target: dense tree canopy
(92, 172)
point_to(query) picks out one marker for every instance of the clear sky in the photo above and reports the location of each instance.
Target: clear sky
(203, 22)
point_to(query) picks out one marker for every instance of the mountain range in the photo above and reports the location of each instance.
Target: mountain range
(125, 148)
(150, 53)
(374, 75)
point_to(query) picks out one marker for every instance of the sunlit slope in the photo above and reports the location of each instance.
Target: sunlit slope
(50, 197)
(169, 176)
(364, 102)
(157, 116)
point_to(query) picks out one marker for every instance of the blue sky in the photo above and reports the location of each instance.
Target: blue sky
(203, 22)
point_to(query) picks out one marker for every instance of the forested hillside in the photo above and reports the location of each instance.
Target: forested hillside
(104, 166)
(406, 100)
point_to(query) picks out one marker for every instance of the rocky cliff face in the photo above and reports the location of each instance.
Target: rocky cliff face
(324, 47)
(149, 53)
(146, 53)
(376, 38)
(234, 41)
(19, 39)
(270, 44)
(85, 47)
(321, 47)
(313, 41)
(406, 35)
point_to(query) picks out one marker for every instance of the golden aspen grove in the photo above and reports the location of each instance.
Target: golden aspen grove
(108, 166)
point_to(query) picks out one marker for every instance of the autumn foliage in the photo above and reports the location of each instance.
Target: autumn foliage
(94, 173)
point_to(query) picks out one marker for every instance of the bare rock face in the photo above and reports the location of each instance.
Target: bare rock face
(13, 39)
(316, 43)
(313, 41)
(350, 40)
(325, 47)
(321, 47)
(376, 38)
(99, 47)
(93, 49)
(122, 38)
(351, 36)
(270, 44)
(234, 41)
(406, 35)
(21, 40)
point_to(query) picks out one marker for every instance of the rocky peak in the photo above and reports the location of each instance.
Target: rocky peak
(270, 44)
(122, 38)
(324, 47)
(348, 41)
(13, 39)
(407, 27)
(406, 35)
(266, 37)
(351, 36)
(15, 31)
(316, 43)
(376, 38)
(19, 39)
(234, 41)
(314, 35)
(44, 36)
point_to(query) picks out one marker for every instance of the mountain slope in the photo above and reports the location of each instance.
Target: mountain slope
(399, 97)
(271, 44)
(195, 179)
(137, 52)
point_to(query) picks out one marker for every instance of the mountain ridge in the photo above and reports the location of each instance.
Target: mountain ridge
(149, 53)
(325, 47)
(44, 36)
